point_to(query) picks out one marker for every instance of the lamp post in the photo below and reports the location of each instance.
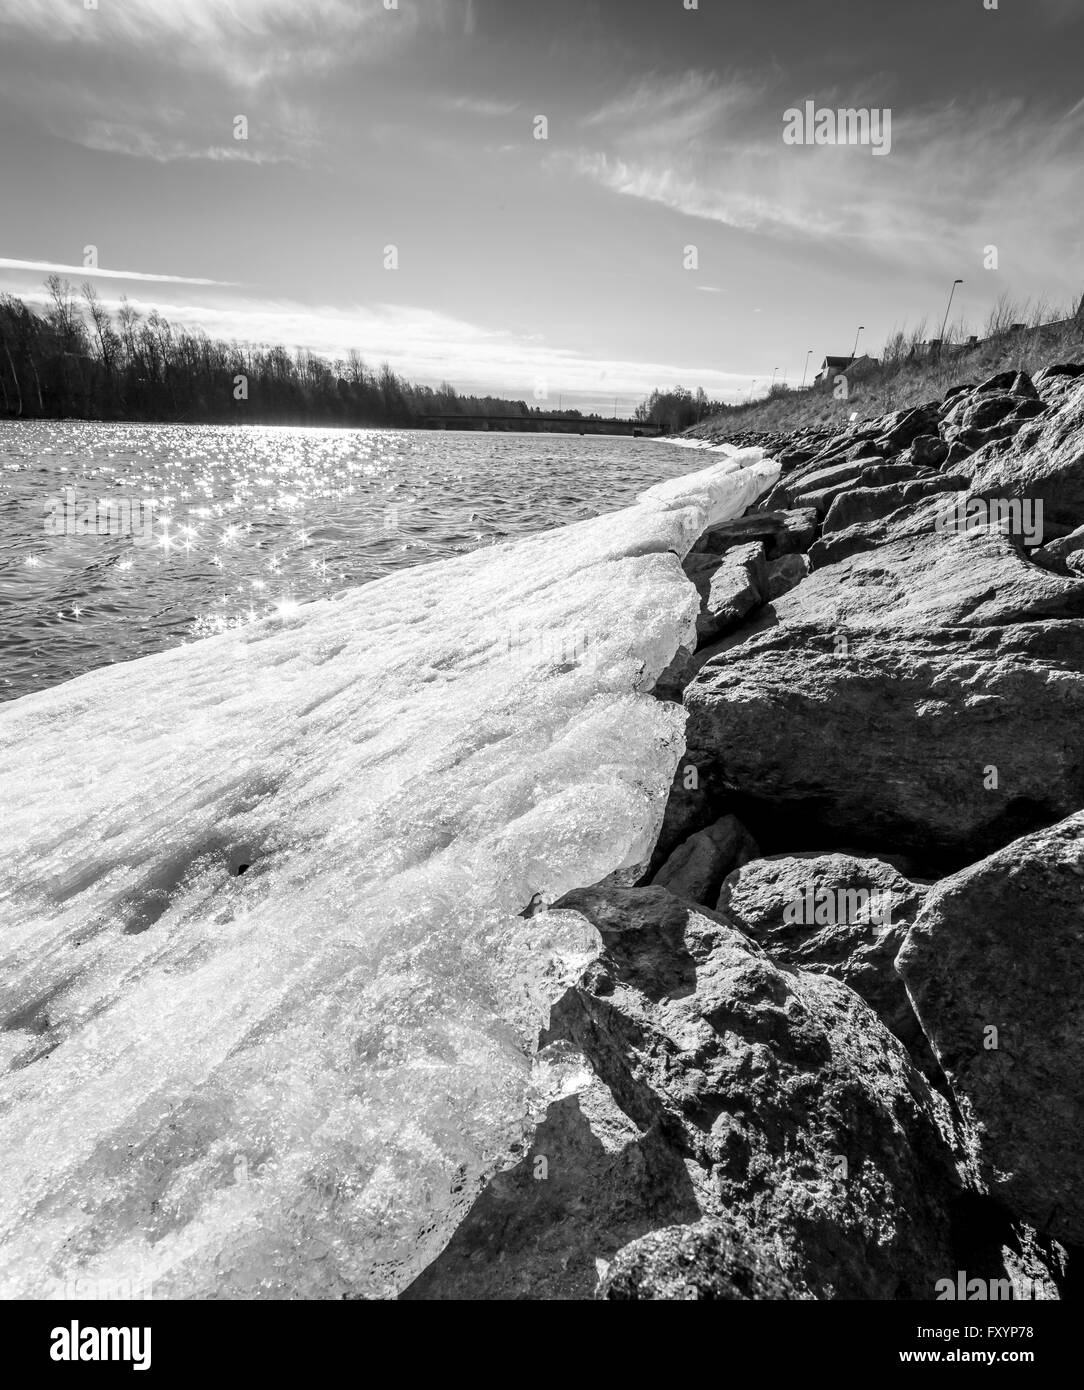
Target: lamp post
(771, 388)
(944, 325)
(752, 388)
(861, 330)
(805, 369)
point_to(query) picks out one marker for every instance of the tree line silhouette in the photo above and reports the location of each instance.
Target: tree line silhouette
(678, 408)
(78, 359)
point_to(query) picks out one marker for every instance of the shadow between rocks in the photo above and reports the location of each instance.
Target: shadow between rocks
(589, 1185)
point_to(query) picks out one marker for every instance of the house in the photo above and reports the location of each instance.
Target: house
(832, 367)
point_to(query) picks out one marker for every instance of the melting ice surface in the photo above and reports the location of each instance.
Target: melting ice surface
(267, 1002)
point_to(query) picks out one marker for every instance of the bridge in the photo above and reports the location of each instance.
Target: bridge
(544, 424)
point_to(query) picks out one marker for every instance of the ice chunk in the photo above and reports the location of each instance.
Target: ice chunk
(268, 1000)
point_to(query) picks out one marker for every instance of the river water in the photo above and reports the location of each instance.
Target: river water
(118, 540)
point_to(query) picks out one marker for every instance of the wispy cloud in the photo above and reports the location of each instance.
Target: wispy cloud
(729, 200)
(942, 188)
(670, 113)
(83, 271)
(190, 68)
(480, 106)
(250, 40)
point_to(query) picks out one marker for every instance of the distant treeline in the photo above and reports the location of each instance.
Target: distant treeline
(77, 359)
(677, 409)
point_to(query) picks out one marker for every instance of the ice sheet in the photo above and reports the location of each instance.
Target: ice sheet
(290, 1081)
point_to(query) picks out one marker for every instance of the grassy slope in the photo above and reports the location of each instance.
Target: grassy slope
(895, 385)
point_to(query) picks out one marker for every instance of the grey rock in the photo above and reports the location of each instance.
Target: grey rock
(881, 475)
(1017, 383)
(1050, 470)
(958, 452)
(1071, 370)
(904, 426)
(978, 412)
(865, 504)
(829, 477)
(839, 915)
(1063, 546)
(785, 574)
(972, 578)
(927, 451)
(782, 533)
(1027, 410)
(1055, 554)
(885, 735)
(733, 587)
(708, 1261)
(1000, 945)
(802, 1124)
(785, 492)
(697, 867)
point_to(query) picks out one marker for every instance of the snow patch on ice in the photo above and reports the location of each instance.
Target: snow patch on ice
(291, 1081)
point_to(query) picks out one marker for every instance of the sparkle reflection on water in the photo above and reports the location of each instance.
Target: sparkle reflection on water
(247, 521)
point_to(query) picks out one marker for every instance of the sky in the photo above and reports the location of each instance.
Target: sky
(662, 232)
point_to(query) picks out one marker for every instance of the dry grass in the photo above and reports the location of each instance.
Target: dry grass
(908, 376)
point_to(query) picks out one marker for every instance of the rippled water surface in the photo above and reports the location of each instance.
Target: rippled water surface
(172, 532)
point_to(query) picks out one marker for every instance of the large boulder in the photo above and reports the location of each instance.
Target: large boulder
(903, 427)
(850, 456)
(837, 915)
(687, 1082)
(802, 1124)
(918, 575)
(1048, 467)
(872, 702)
(1055, 383)
(829, 477)
(867, 503)
(979, 412)
(1014, 382)
(810, 486)
(734, 586)
(994, 965)
(946, 741)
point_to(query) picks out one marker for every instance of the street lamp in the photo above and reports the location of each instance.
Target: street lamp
(861, 330)
(752, 388)
(944, 325)
(771, 388)
(805, 369)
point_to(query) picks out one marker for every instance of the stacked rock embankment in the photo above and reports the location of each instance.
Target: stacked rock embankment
(832, 1046)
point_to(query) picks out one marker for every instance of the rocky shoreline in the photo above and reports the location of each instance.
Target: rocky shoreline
(832, 1047)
